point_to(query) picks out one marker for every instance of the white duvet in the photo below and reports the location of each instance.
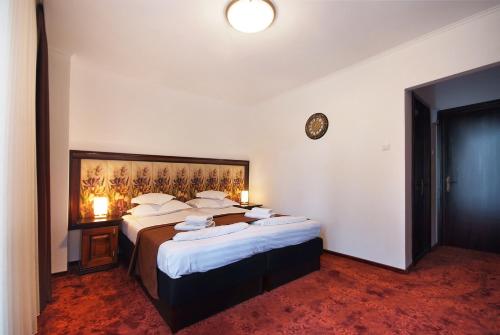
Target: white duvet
(181, 258)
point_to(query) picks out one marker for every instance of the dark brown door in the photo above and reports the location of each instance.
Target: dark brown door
(421, 179)
(471, 166)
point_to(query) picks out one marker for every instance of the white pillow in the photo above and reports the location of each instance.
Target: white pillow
(152, 199)
(211, 203)
(217, 195)
(153, 210)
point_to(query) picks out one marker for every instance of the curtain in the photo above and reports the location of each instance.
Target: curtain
(18, 207)
(43, 159)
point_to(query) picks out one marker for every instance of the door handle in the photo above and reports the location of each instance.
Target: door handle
(449, 181)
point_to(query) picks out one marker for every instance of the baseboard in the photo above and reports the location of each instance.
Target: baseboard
(383, 266)
(74, 264)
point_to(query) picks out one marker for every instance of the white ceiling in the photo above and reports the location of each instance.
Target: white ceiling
(188, 44)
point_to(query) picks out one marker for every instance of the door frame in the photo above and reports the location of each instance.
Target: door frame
(443, 117)
(414, 99)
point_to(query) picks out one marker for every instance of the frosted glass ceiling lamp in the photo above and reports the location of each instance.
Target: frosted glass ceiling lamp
(250, 16)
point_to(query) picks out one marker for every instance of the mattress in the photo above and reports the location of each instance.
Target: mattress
(181, 258)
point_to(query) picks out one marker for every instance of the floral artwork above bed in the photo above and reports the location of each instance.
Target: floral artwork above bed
(92, 184)
(118, 186)
(142, 178)
(162, 177)
(120, 181)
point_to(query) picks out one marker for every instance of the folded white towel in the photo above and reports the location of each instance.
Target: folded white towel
(261, 210)
(198, 224)
(187, 227)
(280, 220)
(211, 232)
(198, 219)
(255, 215)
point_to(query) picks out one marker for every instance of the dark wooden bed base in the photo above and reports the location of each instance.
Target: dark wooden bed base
(189, 299)
(292, 262)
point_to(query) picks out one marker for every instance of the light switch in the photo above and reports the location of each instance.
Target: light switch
(386, 147)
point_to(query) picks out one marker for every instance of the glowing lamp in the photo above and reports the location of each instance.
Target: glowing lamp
(244, 197)
(100, 207)
(250, 16)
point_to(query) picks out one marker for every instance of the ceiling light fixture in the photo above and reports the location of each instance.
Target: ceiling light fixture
(250, 16)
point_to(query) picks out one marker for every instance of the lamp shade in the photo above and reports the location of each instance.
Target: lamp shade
(244, 197)
(250, 16)
(100, 207)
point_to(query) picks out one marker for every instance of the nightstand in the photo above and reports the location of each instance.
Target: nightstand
(99, 243)
(248, 206)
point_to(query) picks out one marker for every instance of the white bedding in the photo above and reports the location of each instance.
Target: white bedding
(181, 258)
(131, 224)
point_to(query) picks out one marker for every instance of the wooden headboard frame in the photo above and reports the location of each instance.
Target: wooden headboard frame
(76, 157)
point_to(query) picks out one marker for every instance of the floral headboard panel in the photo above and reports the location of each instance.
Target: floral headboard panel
(120, 177)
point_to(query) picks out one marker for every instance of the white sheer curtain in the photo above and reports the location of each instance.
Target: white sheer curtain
(18, 227)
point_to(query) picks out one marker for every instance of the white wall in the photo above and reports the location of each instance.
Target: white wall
(120, 114)
(465, 90)
(109, 112)
(59, 86)
(473, 88)
(345, 179)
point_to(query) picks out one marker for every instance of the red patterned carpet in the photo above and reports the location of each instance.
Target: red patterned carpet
(451, 291)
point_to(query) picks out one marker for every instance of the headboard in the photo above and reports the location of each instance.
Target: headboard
(121, 177)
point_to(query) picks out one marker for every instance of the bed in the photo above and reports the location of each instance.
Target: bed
(196, 279)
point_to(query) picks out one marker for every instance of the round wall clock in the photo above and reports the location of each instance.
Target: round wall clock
(316, 126)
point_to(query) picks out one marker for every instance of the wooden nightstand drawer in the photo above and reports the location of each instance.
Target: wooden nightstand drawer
(99, 248)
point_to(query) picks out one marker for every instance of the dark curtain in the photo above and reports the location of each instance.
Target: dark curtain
(43, 159)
